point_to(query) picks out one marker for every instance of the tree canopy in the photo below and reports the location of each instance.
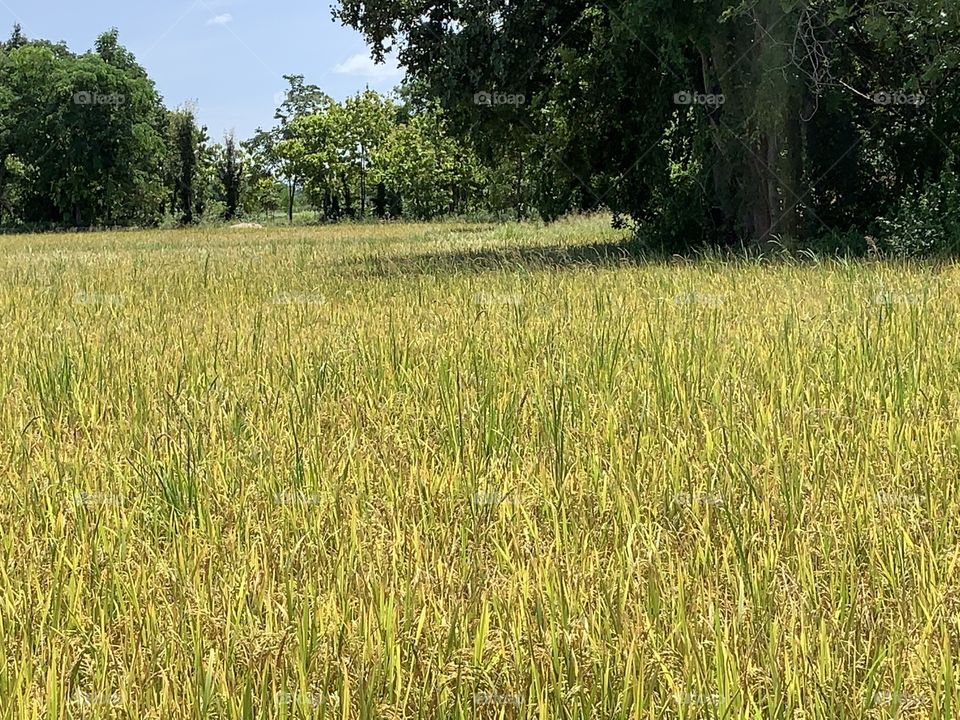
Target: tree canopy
(770, 123)
(703, 120)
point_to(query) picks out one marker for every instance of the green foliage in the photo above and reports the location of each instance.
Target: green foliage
(282, 147)
(925, 222)
(413, 159)
(230, 174)
(262, 196)
(769, 124)
(779, 112)
(86, 131)
(425, 165)
(184, 163)
(380, 201)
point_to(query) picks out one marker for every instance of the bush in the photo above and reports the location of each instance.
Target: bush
(924, 223)
(679, 220)
(849, 242)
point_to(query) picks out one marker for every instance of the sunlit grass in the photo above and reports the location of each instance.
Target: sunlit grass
(456, 471)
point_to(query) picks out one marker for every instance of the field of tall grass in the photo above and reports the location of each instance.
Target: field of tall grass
(459, 471)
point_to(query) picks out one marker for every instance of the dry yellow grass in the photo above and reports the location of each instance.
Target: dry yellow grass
(405, 472)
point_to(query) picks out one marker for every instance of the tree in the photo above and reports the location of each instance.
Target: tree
(367, 119)
(300, 100)
(380, 200)
(17, 39)
(6, 130)
(425, 165)
(713, 120)
(320, 155)
(184, 137)
(262, 196)
(230, 173)
(278, 151)
(85, 131)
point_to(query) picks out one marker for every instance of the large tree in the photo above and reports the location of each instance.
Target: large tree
(229, 165)
(84, 132)
(711, 119)
(279, 150)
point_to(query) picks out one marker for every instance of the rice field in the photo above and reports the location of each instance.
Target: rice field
(458, 470)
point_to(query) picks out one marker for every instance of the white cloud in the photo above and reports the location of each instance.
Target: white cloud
(224, 19)
(361, 65)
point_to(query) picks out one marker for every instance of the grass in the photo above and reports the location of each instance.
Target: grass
(458, 471)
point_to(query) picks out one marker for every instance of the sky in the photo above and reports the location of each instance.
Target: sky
(228, 56)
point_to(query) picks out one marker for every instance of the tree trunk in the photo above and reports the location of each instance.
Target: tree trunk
(3, 187)
(291, 192)
(363, 183)
(519, 187)
(757, 170)
(791, 166)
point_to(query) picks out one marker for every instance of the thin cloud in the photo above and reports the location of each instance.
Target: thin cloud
(363, 66)
(224, 19)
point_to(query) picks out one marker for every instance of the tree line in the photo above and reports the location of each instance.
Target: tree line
(822, 123)
(766, 123)
(85, 140)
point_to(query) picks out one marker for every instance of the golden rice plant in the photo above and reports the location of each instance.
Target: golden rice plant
(459, 470)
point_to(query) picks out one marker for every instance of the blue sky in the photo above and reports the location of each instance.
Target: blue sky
(227, 55)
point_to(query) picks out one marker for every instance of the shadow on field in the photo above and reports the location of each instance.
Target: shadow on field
(550, 257)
